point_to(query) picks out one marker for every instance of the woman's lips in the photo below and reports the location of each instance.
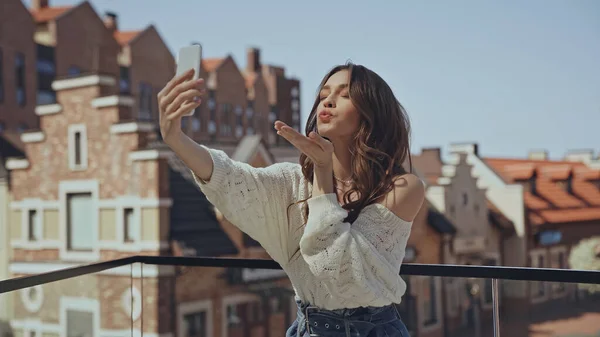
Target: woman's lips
(325, 116)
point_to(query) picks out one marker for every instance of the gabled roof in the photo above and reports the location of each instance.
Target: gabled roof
(49, 13)
(125, 37)
(211, 64)
(547, 199)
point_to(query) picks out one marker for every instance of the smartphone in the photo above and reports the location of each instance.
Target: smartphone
(189, 57)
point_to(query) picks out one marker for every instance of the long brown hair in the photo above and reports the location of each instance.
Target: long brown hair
(381, 143)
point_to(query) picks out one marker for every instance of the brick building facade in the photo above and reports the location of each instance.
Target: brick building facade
(94, 182)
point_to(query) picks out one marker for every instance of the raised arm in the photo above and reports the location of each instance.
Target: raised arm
(253, 199)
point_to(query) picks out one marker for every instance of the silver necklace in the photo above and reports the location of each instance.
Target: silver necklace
(345, 182)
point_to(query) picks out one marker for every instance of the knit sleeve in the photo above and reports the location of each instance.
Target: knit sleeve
(253, 199)
(359, 260)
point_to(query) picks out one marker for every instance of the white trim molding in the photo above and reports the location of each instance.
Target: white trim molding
(32, 305)
(78, 186)
(132, 127)
(193, 307)
(83, 81)
(17, 164)
(34, 203)
(135, 202)
(149, 155)
(131, 301)
(48, 109)
(35, 268)
(33, 137)
(112, 101)
(83, 147)
(35, 245)
(133, 247)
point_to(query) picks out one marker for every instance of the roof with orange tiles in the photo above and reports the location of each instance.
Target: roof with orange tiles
(556, 191)
(125, 37)
(49, 13)
(211, 64)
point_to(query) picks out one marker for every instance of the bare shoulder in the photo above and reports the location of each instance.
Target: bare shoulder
(407, 196)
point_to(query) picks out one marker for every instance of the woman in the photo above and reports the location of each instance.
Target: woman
(339, 222)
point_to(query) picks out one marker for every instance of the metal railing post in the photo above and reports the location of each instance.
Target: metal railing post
(496, 307)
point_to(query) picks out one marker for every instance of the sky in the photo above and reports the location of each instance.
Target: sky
(510, 75)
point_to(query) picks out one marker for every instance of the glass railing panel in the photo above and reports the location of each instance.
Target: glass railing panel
(536, 308)
(93, 305)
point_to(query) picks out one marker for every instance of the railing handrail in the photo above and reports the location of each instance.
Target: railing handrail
(440, 270)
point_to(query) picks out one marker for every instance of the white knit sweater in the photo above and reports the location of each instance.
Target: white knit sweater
(340, 265)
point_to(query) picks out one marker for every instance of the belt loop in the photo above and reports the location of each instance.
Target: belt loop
(306, 320)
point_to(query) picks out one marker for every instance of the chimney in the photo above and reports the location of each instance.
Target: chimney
(434, 153)
(584, 156)
(111, 21)
(253, 60)
(470, 148)
(538, 155)
(39, 4)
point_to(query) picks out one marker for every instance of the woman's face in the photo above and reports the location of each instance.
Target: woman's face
(337, 117)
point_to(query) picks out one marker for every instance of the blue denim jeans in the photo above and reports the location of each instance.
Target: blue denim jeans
(359, 322)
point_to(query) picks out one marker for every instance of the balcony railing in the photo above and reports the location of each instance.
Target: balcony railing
(204, 297)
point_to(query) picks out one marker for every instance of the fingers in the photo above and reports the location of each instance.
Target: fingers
(169, 96)
(175, 81)
(183, 109)
(325, 144)
(185, 96)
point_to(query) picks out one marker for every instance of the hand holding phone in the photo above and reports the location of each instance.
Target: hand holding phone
(188, 58)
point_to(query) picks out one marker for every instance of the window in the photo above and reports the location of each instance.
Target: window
(195, 319)
(129, 225)
(465, 199)
(559, 261)
(46, 73)
(78, 148)
(33, 225)
(1, 76)
(20, 78)
(294, 92)
(22, 127)
(79, 224)
(195, 324)
(73, 71)
(538, 289)
(225, 125)
(243, 316)
(79, 324)
(78, 159)
(124, 80)
(428, 292)
(196, 124)
(145, 101)
(2, 127)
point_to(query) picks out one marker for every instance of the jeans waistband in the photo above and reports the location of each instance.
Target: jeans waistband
(374, 315)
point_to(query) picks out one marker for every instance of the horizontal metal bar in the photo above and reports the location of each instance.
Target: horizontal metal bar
(441, 270)
(445, 270)
(63, 274)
